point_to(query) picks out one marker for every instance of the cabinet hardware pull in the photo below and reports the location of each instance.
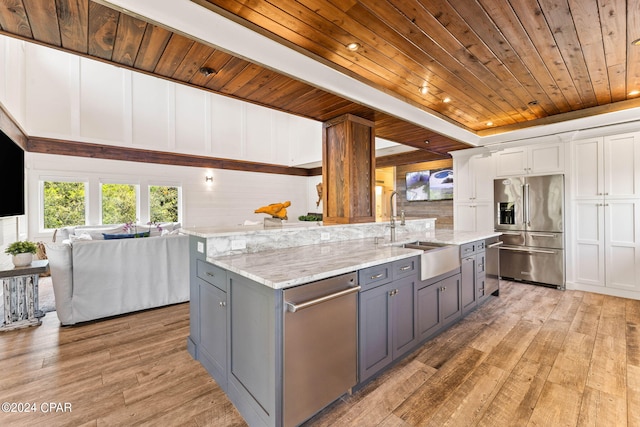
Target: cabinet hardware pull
(223, 304)
(406, 267)
(534, 251)
(291, 307)
(377, 276)
(210, 274)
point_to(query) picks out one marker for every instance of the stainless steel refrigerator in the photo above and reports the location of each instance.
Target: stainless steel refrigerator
(529, 212)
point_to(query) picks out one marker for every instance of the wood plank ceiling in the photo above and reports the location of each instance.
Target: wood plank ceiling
(508, 62)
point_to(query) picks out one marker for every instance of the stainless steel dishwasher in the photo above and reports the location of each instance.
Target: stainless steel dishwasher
(320, 345)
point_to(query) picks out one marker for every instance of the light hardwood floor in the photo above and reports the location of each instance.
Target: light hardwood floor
(534, 356)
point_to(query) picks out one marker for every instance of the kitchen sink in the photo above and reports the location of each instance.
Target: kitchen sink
(436, 259)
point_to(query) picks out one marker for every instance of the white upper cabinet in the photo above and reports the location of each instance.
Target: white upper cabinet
(607, 167)
(474, 178)
(538, 159)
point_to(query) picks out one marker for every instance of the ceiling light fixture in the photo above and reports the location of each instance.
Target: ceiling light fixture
(446, 100)
(353, 46)
(206, 71)
(426, 141)
(636, 42)
(489, 123)
(423, 89)
(634, 93)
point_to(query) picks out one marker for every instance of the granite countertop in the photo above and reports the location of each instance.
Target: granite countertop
(239, 230)
(282, 268)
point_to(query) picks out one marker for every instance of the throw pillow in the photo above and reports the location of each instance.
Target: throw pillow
(125, 235)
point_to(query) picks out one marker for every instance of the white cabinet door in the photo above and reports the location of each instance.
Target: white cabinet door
(547, 158)
(484, 217)
(622, 244)
(538, 159)
(622, 166)
(473, 217)
(473, 179)
(483, 175)
(464, 217)
(464, 188)
(589, 243)
(588, 175)
(512, 161)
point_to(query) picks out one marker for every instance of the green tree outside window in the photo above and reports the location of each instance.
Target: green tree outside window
(64, 204)
(163, 203)
(118, 203)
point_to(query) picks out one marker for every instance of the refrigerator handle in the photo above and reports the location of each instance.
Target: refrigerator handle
(527, 219)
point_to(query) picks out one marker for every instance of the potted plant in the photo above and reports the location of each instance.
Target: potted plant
(21, 252)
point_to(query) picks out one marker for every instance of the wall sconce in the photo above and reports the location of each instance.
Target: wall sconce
(208, 178)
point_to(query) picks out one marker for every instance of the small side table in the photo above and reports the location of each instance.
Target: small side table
(20, 295)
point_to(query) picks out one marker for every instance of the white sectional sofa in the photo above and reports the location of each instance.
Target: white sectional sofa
(98, 278)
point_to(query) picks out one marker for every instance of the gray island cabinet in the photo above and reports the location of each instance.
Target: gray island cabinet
(387, 314)
(235, 332)
(238, 313)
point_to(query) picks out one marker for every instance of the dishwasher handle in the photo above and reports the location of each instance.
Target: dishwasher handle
(292, 307)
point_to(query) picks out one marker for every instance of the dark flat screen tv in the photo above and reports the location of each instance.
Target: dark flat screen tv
(430, 185)
(11, 177)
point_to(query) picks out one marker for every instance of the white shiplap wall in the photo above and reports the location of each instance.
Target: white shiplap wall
(56, 95)
(229, 200)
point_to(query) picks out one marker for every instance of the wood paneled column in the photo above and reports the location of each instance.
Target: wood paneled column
(348, 170)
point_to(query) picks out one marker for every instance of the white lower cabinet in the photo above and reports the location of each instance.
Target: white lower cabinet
(607, 244)
(473, 216)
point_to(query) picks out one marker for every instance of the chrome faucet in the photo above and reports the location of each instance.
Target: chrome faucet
(392, 218)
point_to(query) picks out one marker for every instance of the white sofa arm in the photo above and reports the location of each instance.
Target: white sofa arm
(61, 268)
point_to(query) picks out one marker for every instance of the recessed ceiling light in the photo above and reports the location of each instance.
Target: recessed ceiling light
(636, 42)
(426, 141)
(423, 89)
(206, 71)
(634, 93)
(353, 46)
(447, 99)
(489, 123)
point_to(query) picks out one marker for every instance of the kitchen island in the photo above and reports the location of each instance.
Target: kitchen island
(238, 281)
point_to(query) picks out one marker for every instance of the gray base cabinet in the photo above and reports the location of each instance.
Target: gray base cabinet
(212, 351)
(387, 314)
(439, 304)
(469, 288)
(208, 327)
(473, 272)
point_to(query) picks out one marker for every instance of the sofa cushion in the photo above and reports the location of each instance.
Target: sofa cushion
(96, 233)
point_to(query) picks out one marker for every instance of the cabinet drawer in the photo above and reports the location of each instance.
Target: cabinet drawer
(405, 267)
(479, 245)
(467, 249)
(211, 274)
(376, 275)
